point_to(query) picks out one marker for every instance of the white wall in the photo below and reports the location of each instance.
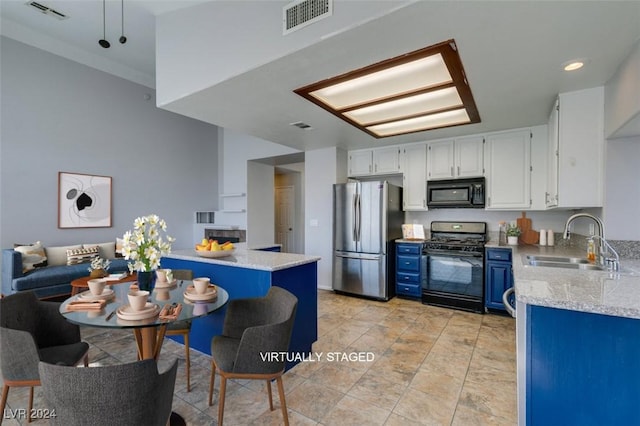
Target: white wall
(235, 149)
(622, 95)
(260, 203)
(622, 189)
(58, 115)
(323, 168)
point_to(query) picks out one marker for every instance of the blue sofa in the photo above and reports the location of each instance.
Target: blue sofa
(48, 281)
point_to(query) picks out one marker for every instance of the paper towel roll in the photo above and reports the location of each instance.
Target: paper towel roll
(550, 237)
(543, 237)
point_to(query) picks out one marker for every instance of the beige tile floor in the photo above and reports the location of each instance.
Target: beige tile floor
(430, 366)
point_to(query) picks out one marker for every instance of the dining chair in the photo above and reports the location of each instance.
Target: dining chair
(123, 394)
(182, 328)
(31, 331)
(254, 327)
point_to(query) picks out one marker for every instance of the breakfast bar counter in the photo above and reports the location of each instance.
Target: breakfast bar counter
(250, 273)
(577, 340)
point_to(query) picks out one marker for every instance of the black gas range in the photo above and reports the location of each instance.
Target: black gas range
(455, 265)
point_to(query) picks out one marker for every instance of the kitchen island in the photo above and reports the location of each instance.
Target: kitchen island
(578, 341)
(250, 273)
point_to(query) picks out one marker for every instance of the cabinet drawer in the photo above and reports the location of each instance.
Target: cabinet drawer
(409, 249)
(503, 255)
(408, 278)
(411, 290)
(408, 263)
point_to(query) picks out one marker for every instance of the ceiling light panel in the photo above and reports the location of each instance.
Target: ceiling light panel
(416, 87)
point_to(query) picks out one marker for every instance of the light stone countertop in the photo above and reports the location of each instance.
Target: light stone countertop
(250, 258)
(600, 292)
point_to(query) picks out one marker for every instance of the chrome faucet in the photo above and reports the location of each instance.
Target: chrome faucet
(600, 235)
(612, 264)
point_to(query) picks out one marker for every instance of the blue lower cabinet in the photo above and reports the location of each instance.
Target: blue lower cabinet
(582, 368)
(409, 270)
(498, 277)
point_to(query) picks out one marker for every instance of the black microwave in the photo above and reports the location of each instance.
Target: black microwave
(455, 193)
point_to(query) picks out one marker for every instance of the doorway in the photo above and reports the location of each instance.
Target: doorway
(289, 207)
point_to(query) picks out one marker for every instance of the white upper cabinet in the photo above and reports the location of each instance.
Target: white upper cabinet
(414, 179)
(462, 157)
(360, 162)
(508, 169)
(378, 161)
(386, 160)
(469, 153)
(576, 150)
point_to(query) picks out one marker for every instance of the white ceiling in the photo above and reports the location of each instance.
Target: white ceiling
(512, 53)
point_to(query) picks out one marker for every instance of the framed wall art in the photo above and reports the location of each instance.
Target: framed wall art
(84, 201)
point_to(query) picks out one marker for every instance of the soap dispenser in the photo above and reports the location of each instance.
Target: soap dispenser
(591, 250)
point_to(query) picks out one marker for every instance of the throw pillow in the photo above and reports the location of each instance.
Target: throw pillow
(57, 256)
(33, 256)
(82, 255)
(105, 250)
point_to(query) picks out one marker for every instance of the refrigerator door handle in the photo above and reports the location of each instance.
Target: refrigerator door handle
(359, 222)
(354, 221)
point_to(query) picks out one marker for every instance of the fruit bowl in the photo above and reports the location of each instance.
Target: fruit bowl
(215, 253)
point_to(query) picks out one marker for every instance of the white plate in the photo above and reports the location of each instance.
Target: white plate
(165, 284)
(150, 310)
(107, 293)
(214, 254)
(191, 294)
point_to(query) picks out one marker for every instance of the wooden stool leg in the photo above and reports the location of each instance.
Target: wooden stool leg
(283, 402)
(211, 380)
(223, 388)
(3, 403)
(270, 397)
(30, 404)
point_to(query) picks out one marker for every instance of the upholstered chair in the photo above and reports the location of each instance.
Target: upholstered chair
(123, 394)
(32, 330)
(254, 327)
(182, 328)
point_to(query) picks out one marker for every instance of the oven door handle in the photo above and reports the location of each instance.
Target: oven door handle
(452, 253)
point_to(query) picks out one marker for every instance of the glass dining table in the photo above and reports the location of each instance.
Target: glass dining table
(149, 332)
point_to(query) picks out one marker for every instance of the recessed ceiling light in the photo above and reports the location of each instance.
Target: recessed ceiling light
(422, 90)
(574, 64)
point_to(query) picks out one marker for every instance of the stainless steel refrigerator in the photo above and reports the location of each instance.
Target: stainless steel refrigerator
(367, 218)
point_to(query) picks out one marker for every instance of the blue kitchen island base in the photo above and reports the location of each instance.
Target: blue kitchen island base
(241, 282)
(582, 368)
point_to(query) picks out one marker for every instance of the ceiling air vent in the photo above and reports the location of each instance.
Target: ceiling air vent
(301, 125)
(46, 10)
(302, 13)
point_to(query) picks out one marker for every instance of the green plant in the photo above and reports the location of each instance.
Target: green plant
(513, 231)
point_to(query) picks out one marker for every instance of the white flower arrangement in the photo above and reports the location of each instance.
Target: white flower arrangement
(145, 245)
(99, 263)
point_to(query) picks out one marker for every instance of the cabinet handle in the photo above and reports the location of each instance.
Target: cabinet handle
(458, 170)
(451, 170)
(424, 203)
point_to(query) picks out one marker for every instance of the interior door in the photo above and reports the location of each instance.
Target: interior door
(285, 218)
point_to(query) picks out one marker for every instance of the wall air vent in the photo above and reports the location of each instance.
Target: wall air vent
(46, 10)
(302, 13)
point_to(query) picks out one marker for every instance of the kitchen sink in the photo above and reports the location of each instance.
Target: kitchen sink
(561, 262)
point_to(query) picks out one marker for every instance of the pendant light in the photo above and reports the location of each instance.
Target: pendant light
(122, 39)
(103, 42)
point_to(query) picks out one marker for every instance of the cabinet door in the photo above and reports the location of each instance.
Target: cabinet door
(469, 157)
(581, 148)
(508, 168)
(360, 163)
(440, 160)
(551, 195)
(386, 160)
(498, 280)
(414, 192)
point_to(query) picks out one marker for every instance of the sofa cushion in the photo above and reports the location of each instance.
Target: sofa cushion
(57, 256)
(81, 255)
(33, 256)
(105, 250)
(61, 274)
